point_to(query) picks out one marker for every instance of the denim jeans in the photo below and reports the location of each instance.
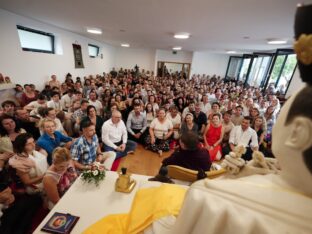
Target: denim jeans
(130, 146)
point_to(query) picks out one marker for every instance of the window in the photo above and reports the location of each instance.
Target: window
(93, 50)
(282, 70)
(36, 41)
(263, 70)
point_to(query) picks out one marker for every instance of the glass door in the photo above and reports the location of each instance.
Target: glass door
(259, 69)
(245, 68)
(289, 68)
(282, 70)
(233, 68)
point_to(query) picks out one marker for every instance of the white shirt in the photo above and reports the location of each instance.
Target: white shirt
(176, 120)
(205, 107)
(161, 129)
(185, 111)
(240, 137)
(35, 105)
(55, 105)
(67, 101)
(98, 106)
(113, 133)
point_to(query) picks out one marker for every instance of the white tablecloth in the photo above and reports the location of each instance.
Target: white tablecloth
(92, 203)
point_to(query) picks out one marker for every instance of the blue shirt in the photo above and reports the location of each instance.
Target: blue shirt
(84, 152)
(49, 144)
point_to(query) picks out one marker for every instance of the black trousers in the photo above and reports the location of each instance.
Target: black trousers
(141, 140)
(17, 219)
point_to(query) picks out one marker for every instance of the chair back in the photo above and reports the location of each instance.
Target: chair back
(185, 174)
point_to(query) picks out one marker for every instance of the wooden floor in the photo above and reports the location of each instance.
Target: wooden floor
(143, 162)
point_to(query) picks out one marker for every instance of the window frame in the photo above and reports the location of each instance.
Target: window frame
(52, 37)
(98, 50)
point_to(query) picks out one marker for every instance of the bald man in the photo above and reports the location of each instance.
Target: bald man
(115, 136)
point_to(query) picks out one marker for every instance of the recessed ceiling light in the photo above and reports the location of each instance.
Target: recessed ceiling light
(181, 35)
(125, 45)
(276, 42)
(231, 52)
(94, 30)
(177, 48)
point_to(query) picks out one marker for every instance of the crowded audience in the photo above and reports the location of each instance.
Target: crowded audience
(74, 123)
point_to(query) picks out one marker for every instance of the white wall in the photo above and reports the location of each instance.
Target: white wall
(209, 63)
(129, 57)
(295, 85)
(168, 56)
(30, 67)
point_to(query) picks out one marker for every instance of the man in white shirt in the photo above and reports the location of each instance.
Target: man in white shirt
(188, 109)
(115, 136)
(96, 103)
(205, 105)
(244, 135)
(248, 106)
(34, 105)
(67, 100)
(55, 102)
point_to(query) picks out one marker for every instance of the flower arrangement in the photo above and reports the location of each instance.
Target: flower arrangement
(95, 174)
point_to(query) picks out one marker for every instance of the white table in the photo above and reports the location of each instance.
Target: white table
(92, 203)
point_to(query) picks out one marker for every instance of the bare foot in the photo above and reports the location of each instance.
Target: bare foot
(130, 152)
(160, 153)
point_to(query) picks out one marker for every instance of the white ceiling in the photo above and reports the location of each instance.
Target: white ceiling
(214, 25)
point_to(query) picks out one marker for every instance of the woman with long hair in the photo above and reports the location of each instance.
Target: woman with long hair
(28, 95)
(270, 118)
(9, 130)
(150, 114)
(30, 165)
(258, 127)
(188, 124)
(59, 176)
(213, 136)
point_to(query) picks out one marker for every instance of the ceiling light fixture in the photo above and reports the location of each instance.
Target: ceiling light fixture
(181, 35)
(94, 30)
(177, 48)
(231, 52)
(276, 42)
(125, 45)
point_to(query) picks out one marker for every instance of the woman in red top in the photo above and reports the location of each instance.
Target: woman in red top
(213, 137)
(28, 96)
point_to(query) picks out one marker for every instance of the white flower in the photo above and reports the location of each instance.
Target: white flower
(95, 172)
(97, 164)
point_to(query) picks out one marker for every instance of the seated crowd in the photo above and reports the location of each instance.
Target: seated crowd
(47, 138)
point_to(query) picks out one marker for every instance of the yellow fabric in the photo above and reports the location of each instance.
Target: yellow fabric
(149, 204)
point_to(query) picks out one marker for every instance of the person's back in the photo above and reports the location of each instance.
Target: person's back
(190, 155)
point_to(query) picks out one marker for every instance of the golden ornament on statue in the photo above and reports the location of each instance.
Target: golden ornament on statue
(303, 49)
